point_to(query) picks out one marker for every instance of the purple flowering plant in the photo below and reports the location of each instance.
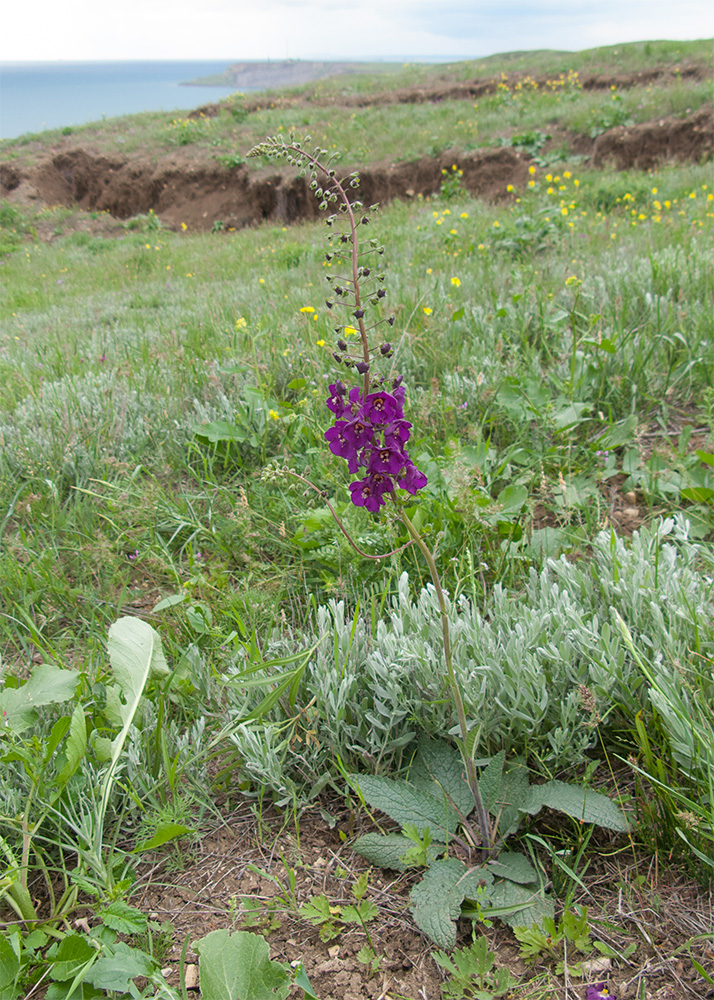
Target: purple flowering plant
(369, 429)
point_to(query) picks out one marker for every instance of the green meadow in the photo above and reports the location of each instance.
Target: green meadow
(557, 348)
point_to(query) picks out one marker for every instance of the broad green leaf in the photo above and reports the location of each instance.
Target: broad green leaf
(58, 991)
(518, 905)
(9, 963)
(515, 867)
(123, 918)
(135, 653)
(437, 761)
(388, 850)
(238, 967)
(436, 901)
(72, 953)
(581, 803)
(220, 430)
(117, 971)
(164, 833)
(75, 747)
(406, 803)
(47, 685)
(512, 498)
(503, 791)
(169, 602)
(569, 415)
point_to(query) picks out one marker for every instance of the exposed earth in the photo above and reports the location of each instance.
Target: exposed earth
(244, 864)
(187, 185)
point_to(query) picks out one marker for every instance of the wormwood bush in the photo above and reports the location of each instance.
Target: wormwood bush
(539, 669)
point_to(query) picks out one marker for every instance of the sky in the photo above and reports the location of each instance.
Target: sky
(45, 30)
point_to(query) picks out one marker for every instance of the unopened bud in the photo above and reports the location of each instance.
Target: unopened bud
(386, 348)
(362, 367)
(342, 345)
(381, 292)
(337, 357)
(391, 320)
(358, 313)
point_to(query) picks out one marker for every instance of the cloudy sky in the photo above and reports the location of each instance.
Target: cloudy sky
(330, 29)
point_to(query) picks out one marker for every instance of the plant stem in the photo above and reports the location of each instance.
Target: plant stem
(471, 775)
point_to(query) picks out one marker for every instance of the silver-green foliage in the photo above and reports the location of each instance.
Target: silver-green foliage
(538, 668)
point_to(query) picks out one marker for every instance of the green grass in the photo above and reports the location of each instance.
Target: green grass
(558, 349)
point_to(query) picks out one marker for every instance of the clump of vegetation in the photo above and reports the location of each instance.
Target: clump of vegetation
(167, 453)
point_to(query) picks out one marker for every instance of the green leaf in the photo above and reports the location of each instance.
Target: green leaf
(512, 498)
(68, 956)
(9, 964)
(697, 494)
(117, 971)
(360, 914)
(389, 850)
(407, 803)
(436, 901)
(74, 748)
(123, 918)
(169, 602)
(504, 791)
(316, 910)
(164, 833)
(569, 415)
(438, 762)
(237, 967)
(515, 867)
(47, 685)
(220, 430)
(581, 803)
(518, 905)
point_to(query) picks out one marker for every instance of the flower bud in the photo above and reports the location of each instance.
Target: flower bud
(358, 313)
(362, 367)
(337, 357)
(386, 348)
(381, 292)
(391, 320)
(342, 345)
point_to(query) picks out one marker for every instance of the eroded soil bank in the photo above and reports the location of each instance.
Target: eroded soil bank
(190, 187)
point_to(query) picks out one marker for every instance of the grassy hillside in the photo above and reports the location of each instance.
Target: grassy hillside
(557, 347)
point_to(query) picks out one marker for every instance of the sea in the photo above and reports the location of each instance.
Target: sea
(43, 95)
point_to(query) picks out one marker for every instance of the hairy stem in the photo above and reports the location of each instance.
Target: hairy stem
(471, 774)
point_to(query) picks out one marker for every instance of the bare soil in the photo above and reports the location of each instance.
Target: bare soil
(657, 909)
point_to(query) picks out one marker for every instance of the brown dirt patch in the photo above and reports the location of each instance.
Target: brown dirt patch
(198, 191)
(642, 147)
(217, 884)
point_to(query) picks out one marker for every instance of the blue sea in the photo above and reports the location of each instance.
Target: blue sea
(42, 95)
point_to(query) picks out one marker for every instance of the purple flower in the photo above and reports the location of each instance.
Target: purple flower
(381, 408)
(358, 432)
(337, 402)
(599, 992)
(412, 479)
(387, 461)
(396, 434)
(369, 492)
(339, 445)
